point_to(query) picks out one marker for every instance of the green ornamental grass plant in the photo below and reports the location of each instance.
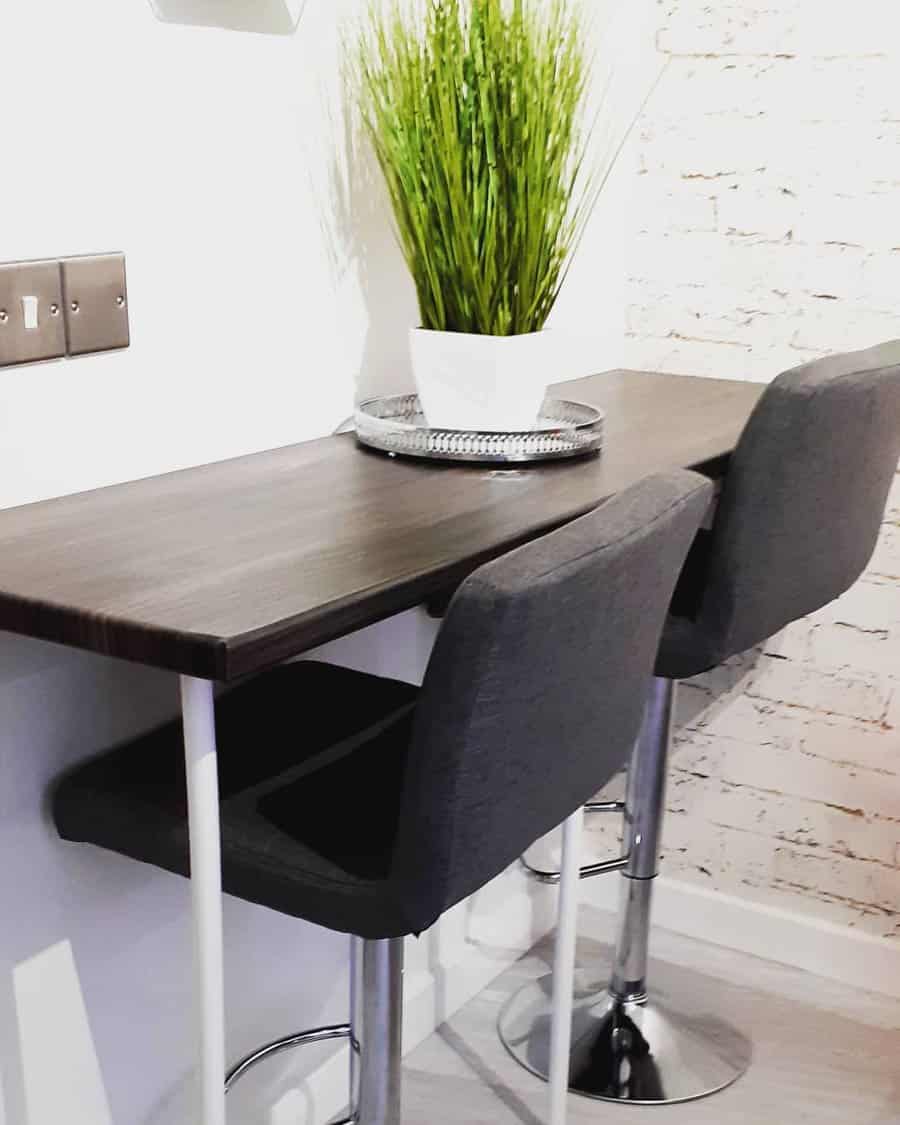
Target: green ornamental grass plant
(476, 113)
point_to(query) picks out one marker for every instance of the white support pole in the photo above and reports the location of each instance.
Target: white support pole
(564, 968)
(197, 703)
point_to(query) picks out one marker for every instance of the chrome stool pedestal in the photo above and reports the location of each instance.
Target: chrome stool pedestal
(374, 1035)
(629, 1045)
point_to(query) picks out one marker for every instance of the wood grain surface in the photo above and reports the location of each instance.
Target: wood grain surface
(226, 569)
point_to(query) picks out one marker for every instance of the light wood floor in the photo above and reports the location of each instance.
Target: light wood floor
(824, 1053)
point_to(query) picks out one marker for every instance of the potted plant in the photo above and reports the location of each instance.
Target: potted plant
(476, 113)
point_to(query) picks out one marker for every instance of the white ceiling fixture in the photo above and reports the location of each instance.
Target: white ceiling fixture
(271, 17)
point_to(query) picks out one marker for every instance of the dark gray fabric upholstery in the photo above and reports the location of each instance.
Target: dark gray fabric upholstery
(358, 803)
(536, 689)
(800, 511)
(311, 762)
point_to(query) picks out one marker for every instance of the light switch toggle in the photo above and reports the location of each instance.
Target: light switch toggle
(30, 313)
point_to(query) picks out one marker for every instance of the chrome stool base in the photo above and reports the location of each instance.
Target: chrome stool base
(672, 1048)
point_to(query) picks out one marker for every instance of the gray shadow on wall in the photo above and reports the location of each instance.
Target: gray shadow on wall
(13, 1107)
(363, 243)
(271, 17)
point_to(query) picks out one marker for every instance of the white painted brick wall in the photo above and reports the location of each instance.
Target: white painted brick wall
(766, 231)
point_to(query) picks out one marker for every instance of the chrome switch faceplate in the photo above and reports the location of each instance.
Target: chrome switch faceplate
(96, 303)
(32, 323)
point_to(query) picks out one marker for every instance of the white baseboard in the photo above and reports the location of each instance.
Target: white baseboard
(827, 950)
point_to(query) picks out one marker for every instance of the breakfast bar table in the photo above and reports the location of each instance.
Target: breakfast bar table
(222, 571)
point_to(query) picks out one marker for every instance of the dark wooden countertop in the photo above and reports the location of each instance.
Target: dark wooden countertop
(223, 570)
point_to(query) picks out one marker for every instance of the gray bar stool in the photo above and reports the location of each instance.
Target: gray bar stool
(376, 808)
(796, 525)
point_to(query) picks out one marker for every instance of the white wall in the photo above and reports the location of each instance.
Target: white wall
(764, 231)
(259, 290)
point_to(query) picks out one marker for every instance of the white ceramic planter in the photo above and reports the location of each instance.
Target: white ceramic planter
(273, 17)
(494, 383)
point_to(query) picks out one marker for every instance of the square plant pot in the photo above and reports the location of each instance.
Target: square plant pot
(491, 383)
(273, 17)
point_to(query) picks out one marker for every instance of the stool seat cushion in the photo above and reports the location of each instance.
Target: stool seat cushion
(311, 760)
(800, 511)
(684, 650)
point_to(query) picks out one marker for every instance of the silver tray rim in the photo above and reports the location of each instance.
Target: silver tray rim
(593, 426)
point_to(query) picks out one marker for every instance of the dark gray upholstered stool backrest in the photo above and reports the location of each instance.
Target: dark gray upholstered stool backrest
(536, 689)
(804, 498)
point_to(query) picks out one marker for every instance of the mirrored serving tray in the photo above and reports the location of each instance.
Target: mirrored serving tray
(397, 425)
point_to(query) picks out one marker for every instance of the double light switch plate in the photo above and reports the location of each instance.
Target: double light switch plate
(51, 309)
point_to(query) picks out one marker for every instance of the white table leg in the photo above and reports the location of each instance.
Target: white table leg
(564, 968)
(206, 884)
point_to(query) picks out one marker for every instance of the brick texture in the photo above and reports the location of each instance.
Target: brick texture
(765, 231)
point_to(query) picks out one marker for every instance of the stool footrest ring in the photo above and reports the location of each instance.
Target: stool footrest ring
(607, 867)
(301, 1039)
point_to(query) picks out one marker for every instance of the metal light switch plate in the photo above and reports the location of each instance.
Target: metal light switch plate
(32, 325)
(96, 303)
